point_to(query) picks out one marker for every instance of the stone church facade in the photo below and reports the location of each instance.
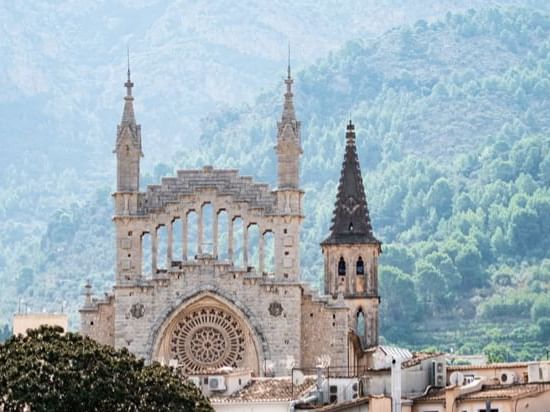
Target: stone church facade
(211, 309)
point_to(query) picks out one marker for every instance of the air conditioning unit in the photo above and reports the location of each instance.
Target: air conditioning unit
(469, 379)
(352, 391)
(195, 380)
(508, 377)
(538, 372)
(545, 372)
(216, 383)
(333, 394)
(341, 391)
(534, 373)
(457, 378)
(438, 374)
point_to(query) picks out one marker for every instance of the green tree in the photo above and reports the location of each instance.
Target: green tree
(446, 267)
(430, 286)
(51, 371)
(400, 303)
(496, 353)
(398, 256)
(541, 307)
(440, 197)
(468, 263)
(524, 230)
(544, 328)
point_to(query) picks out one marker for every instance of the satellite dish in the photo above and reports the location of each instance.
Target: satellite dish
(457, 378)
(298, 377)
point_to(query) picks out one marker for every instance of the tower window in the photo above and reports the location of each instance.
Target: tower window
(350, 227)
(360, 266)
(360, 319)
(342, 267)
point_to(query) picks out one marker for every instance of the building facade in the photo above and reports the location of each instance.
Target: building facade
(218, 304)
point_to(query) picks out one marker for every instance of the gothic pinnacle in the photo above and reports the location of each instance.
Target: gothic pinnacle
(288, 108)
(128, 116)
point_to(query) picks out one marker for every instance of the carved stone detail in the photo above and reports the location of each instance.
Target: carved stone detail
(207, 338)
(275, 309)
(137, 310)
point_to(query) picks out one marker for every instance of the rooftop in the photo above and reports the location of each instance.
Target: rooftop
(504, 365)
(487, 392)
(269, 390)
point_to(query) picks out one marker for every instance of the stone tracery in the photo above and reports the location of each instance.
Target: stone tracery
(207, 338)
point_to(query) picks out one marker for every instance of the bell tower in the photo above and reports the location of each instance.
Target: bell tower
(288, 193)
(351, 251)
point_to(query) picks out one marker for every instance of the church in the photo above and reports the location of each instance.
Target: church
(212, 307)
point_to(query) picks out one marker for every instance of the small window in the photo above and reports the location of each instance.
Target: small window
(360, 266)
(360, 320)
(342, 267)
(350, 227)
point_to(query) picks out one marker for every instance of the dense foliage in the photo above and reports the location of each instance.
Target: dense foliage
(453, 134)
(49, 371)
(453, 123)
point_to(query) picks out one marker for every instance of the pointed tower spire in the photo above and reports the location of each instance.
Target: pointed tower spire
(288, 108)
(128, 143)
(351, 220)
(288, 140)
(128, 116)
(289, 59)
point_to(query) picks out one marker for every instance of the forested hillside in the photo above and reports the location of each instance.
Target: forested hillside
(453, 123)
(453, 132)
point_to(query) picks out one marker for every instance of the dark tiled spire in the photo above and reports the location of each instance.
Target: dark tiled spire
(351, 220)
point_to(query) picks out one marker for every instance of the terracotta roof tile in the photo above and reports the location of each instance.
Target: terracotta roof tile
(507, 391)
(269, 389)
(419, 357)
(508, 365)
(489, 392)
(434, 394)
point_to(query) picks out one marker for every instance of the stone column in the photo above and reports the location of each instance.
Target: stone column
(184, 240)
(154, 247)
(170, 230)
(200, 235)
(214, 232)
(261, 254)
(230, 237)
(245, 245)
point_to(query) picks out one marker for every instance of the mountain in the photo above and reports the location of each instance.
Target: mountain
(452, 123)
(63, 65)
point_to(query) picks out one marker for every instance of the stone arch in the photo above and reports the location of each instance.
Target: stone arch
(254, 355)
(341, 266)
(359, 266)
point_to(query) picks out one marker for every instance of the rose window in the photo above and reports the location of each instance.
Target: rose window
(207, 338)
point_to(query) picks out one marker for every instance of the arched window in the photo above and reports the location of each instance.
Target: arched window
(360, 319)
(360, 266)
(342, 267)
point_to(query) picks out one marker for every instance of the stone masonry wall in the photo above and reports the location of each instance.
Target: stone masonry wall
(324, 332)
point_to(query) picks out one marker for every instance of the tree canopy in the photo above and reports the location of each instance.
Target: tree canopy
(51, 371)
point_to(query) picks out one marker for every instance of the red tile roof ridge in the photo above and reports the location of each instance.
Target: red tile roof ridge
(262, 389)
(500, 365)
